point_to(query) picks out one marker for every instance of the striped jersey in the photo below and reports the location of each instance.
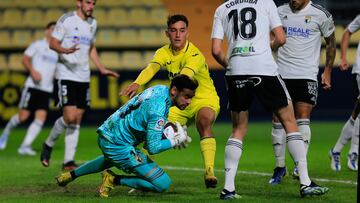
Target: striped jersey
(299, 57)
(353, 27)
(71, 30)
(246, 25)
(43, 60)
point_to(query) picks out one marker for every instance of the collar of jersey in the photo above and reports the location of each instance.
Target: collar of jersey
(182, 50)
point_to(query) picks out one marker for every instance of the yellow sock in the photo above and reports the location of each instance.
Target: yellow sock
(208, 149)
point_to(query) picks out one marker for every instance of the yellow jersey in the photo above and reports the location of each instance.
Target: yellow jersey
(189, 61)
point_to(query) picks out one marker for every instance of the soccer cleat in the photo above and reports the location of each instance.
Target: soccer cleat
(3, 141)
(335, 160)
(107, 183)
(45, 155)
(353, 161)
(63, 179)
(312, 189)
(210, 181)
(69, 166)
(26, 151)
(279, 172)
(295, 173)
(226, 195)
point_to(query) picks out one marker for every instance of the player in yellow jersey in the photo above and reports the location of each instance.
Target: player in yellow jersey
(182, 57)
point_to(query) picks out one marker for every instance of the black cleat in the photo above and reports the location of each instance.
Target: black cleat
(45, 155)
(69, 166)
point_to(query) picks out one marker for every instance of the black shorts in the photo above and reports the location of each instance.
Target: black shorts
(34, 99)
(71, 93)
(356, 86)
(302, 90)
(270, 90)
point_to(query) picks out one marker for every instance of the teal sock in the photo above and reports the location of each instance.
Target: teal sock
(97, 165)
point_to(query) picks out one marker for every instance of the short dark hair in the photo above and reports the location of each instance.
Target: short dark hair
(51, 23)
(182, 81)
(177, 17)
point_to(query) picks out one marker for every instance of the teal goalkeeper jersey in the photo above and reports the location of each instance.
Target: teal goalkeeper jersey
(142, 119)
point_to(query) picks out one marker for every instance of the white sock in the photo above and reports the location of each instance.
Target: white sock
(296, 147)
(32, 132)
(279, 143)
(13, 122)
(233, 150)
(71, 141)
(354, 147)
(304, 128)
(345, 136)
(58, 128)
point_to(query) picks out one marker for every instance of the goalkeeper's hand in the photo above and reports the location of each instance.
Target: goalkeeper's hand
(180, 136)
(183, 145)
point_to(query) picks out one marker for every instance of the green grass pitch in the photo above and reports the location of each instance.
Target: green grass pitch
(24, 179)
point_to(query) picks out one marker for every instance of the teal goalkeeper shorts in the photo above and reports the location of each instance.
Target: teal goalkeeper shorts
(123, 157)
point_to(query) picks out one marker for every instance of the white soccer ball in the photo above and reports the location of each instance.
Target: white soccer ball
(169, 130)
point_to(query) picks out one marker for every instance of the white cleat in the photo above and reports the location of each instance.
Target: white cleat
(26, 151)
(335, 160)
(353, 161)
(3, 141)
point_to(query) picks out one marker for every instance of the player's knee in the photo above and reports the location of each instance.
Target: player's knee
(162, 183)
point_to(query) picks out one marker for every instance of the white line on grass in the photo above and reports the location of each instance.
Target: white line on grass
(176, 168)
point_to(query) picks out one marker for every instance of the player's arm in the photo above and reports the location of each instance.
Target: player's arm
(55, 45)
(330, 57)
(218, 52)
(143, 78)
(154, 142)
(36, 76)
(344, 46)
(96, 59)
(278, 38)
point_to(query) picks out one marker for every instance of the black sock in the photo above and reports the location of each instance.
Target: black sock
(73, 175)
(117, 180)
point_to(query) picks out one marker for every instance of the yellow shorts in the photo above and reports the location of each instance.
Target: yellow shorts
(189, 114)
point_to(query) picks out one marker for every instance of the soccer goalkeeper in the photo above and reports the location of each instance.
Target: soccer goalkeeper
(140, 120)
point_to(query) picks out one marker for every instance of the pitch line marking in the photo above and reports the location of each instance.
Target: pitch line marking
(175, 168)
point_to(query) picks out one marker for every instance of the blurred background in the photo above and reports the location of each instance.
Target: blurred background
(129, 31)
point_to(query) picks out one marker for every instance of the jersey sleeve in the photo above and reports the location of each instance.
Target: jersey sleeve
(31, 50)
(217, 29)
(154, 141)
(273, 15)
(193, 62)
(327, 26)
(354, 25)
(59, 30)
(148, 73)
(94, 32)
(159, 57)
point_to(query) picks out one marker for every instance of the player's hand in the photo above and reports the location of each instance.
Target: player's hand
(326, 81)
(71, 49)
(187, 141)
(36, 76)
(180, 135)
(344, 65)
(131, 90)
(109, 73)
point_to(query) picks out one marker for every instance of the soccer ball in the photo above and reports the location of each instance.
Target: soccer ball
(169, 130)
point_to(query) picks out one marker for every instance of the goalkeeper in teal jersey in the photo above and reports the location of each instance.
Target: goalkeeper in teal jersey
(140, 120)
